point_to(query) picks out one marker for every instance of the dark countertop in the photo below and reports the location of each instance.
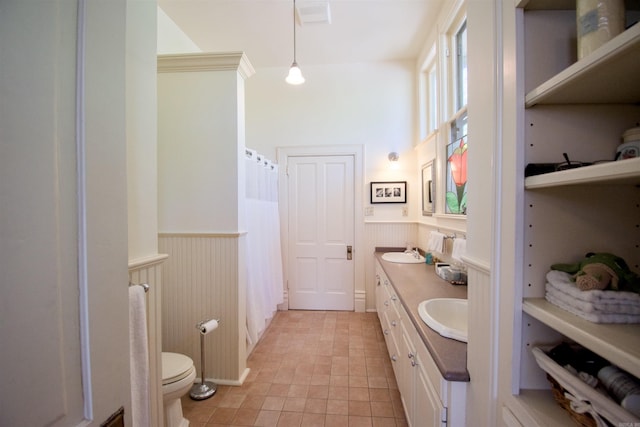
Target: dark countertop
(415, 283)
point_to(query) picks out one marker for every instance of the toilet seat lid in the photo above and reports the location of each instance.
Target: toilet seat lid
(175, 367)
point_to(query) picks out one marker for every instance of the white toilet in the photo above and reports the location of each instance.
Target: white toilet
(178, 374)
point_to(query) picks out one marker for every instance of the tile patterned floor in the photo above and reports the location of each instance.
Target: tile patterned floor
(312, 368)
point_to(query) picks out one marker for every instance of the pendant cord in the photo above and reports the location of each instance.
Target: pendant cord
(294, 31)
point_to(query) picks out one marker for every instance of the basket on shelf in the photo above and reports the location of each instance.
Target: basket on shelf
(587, 406)
(584, 419)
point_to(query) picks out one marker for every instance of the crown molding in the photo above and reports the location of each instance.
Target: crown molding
(193, 62)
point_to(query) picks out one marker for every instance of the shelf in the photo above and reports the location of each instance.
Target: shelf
(542, 409)
(546, 4)
(620, 172)
(606, 76)
(563, 4)
(618, 343)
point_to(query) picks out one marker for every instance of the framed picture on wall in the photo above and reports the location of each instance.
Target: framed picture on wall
(428, 185)
(389, 192)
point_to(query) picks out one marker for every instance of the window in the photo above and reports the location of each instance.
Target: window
(429, 94)
(456, 145)
(432, 100)
(443, 111)
(456, 195)
(461, 67)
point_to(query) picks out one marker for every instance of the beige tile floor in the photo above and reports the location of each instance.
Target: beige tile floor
(311, 368)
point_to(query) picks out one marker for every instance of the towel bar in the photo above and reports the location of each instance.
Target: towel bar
(144, 286)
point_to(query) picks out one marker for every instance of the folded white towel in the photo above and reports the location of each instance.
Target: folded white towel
(589, 307)
(459, 249)
(594, 317)
(564, 282)
(436, 242)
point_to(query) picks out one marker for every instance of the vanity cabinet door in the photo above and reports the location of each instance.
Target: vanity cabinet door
(422, 403)
(428, 409)
(379, 295)
(405, 375)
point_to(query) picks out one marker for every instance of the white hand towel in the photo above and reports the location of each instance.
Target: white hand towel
(459, 249)
(436, 242)
(139, 357)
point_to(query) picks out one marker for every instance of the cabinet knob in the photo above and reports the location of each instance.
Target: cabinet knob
(394, 298)
(393, 323)
(410, 356)
(394, 358)
(413, 363)
(386, 303)
(386, 332)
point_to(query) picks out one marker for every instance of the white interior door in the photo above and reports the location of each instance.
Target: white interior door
(63, 233)
(321, 232)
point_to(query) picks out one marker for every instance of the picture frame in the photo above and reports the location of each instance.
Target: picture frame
(428, 189)
(389, 192)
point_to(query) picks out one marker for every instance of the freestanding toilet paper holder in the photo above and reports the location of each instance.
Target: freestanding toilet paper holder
(204, 389)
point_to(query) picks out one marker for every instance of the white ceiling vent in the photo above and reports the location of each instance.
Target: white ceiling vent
(313, 12)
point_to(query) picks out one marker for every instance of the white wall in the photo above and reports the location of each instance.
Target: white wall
(171, 38)
(198, 152)
(370, 104)
(142, 134)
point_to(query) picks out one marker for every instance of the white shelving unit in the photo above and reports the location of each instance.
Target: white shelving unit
(581, 109)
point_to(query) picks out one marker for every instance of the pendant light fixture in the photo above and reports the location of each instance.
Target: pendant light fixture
(295, 75)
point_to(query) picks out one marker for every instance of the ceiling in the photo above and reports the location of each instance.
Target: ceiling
(360, 30)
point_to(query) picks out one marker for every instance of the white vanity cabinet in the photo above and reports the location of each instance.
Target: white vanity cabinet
(580, 108)
(427, 397)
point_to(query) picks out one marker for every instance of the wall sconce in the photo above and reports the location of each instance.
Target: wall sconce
(393, 160)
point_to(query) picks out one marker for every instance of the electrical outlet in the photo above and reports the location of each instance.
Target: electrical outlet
(368, 211)
(405, 211)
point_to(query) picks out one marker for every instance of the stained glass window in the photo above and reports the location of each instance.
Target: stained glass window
(456, 188)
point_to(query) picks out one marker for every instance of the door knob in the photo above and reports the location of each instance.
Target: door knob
(349, 252)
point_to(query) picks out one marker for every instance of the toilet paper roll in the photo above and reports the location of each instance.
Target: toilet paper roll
(208, 326)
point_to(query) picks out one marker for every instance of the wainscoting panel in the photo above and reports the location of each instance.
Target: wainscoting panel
(203, 280)
(483, 310)
(149, 271)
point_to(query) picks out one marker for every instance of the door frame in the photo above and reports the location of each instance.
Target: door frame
(357, 151)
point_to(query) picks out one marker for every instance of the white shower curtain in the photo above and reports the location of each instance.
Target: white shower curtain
(264, 259)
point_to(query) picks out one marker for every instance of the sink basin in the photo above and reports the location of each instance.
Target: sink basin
(446, 316)
(402, 258)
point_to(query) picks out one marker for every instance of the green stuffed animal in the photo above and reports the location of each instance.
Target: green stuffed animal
(602, 271)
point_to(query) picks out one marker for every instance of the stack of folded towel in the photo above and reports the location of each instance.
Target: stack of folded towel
(598, 306)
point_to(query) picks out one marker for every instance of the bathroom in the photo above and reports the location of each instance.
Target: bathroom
(103, 214)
